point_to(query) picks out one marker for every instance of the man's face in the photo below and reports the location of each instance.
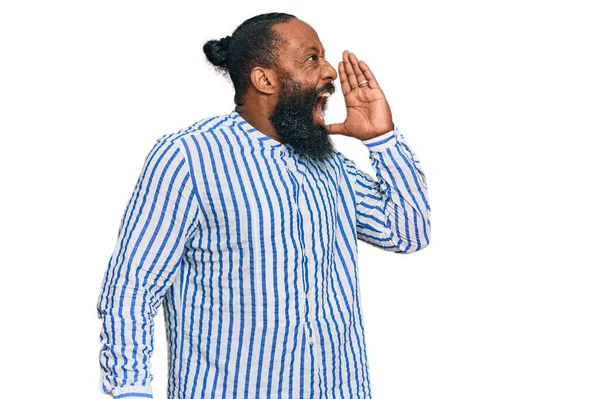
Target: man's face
(304, 77)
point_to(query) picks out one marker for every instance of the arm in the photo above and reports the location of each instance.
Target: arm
(392, 211)
(159, 219)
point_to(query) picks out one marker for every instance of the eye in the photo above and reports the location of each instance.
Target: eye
(314, 55)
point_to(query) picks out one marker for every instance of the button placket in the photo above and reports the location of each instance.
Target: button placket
(308, 295)
(309, 337)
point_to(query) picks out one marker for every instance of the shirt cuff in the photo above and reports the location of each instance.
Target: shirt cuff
(136, 391)
(383, 141)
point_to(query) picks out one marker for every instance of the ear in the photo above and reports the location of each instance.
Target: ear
(264, 80)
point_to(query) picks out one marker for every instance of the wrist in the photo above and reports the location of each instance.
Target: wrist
(381, 141)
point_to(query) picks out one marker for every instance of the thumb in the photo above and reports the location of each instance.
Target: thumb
(336, 128)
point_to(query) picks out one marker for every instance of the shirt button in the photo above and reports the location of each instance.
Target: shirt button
(287, 167)
(311, 340)
(305, 251)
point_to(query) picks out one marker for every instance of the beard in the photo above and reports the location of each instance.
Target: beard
(293, 117)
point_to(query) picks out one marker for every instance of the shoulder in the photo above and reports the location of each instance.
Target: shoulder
(196, 131)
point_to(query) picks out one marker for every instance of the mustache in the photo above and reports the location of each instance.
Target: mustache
(326, 87)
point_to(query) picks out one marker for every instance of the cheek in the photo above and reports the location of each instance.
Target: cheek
(309, 77)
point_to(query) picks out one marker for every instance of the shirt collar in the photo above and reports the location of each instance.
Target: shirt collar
(258, 136)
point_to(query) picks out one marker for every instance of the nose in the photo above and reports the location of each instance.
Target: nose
(328, 72)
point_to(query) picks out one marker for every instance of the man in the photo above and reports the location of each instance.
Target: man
(245, 226)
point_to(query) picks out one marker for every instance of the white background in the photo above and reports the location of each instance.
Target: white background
(500, 101)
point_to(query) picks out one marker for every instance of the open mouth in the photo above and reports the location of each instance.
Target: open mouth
(319, 106)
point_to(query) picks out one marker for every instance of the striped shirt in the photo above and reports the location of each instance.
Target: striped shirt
(251, 248)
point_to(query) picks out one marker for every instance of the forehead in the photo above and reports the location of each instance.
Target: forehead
(301, 37)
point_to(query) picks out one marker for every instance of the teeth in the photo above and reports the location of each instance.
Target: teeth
(325, 94)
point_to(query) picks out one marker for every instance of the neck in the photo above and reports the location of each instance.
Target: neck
(259, 119)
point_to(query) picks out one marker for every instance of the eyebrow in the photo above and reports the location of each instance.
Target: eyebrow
(312, 48)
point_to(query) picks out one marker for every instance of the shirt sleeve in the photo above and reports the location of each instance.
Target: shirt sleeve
(392, 210)
(159, 219)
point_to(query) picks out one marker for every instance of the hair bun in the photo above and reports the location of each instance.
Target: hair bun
(216, 51)
(225, 42)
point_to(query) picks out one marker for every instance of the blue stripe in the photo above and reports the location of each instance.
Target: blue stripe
(386, 138)
(133, 395)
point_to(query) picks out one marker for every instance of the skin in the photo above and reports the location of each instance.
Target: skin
(368, 112)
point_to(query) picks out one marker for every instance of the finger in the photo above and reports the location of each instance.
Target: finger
(360, 77)
(373, 84)
(349, 70)
(336, 128)
(343, 79)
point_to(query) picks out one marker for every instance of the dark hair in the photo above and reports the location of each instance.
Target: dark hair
(253, 43)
